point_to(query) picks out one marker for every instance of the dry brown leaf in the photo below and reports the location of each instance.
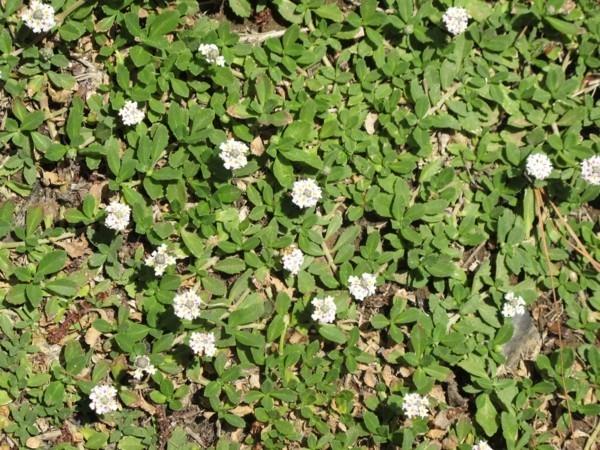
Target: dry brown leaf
(33, 442)
(75, 247)
(91, 336)
(370, 121)
(257, 147)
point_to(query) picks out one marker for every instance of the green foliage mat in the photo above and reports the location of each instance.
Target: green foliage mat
(418, 140)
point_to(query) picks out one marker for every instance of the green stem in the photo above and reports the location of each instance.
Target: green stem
(62, 237)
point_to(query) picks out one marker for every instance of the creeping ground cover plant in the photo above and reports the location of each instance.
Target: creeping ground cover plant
(320, 224)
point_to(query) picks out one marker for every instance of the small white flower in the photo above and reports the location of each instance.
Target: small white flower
(39, 17)
(211, 54)
(233, 153)
(143, 365)
(590, 170)
(160, 259)
(363, 286)
(539, 166)
(203, 344)
(481, 445)
(293, 260)
(513, 305)
(324, 309)
(456, 20)
(415, 405)
(187, 305)
(118, 216)
(103, 399)
(131, 114)
(306, 193)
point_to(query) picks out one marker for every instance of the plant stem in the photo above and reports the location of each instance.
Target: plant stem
(65, 13)
(62, 237)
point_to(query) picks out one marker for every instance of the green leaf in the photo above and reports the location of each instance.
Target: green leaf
(62, 286)
(230, 265)
(54, 393)
(4, 398)
(75, 358)
(51, 262)
(164, 23)
(563, 26)
(330, 11)
(241, 7)
(475, 365)
(74, 122)
(32, 121)
(332, 333)
(486, 414)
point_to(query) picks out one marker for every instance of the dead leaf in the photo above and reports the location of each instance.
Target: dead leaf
(75, 247)
(257, 147)
(91, 336)
(370, 121)
(33, 442)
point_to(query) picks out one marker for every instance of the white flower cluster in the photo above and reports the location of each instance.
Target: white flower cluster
(131, 114)
(233, 153)
(456, 20)
(324, 309)
(143, 365)
(211, 54)
(160, 259)
(306, 193)
(513, 305)
(203, 344)
(187, 305)
(481, 445)
(590, 170)
(103, 399)
(539, 166)
(118, 215)
(293, 259)
(415, 405)
(363, 286)
(39, 17)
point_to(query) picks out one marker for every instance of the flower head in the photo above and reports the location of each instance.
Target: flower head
(324, 309)
(539, 166)
(160, 259)
(456, 20)
(233, 153)
(306, 193)
(363, 286)
(143, 365)
(187, 305)
(590, 170)
(118, 216)
(131, 114)
(39, 17)
(203, 344)
(103, 399)
(415, 405)
(481, 445)
(211, 54)
(293, 259)
(513, 305)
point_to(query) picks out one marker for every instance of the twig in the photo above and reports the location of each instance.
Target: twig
(255, 38)
(541, 216)
(581, 247)
(449, 93)
(329, 258)
(65, 13)
(473, 254)
(593, 437)
(16, 244)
